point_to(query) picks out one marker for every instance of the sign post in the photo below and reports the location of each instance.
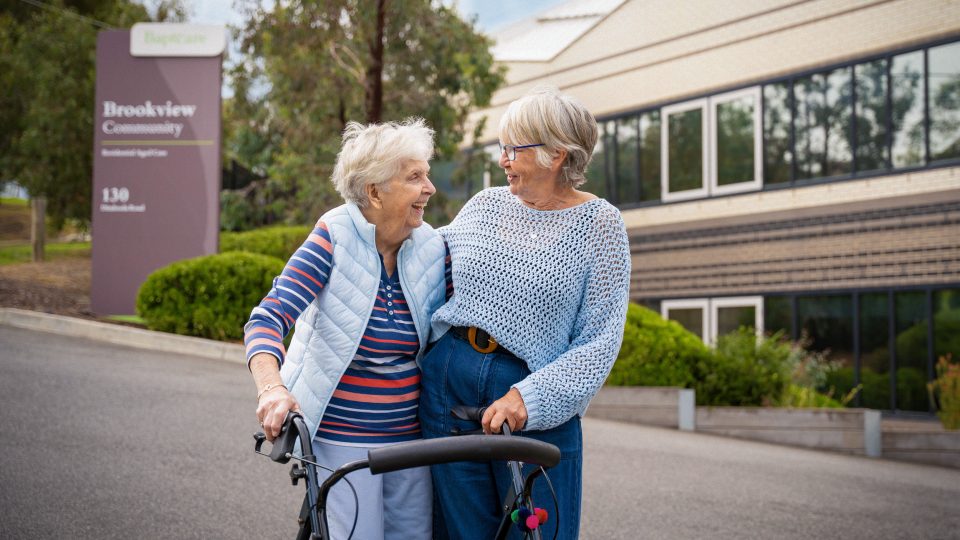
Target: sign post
(156, 164)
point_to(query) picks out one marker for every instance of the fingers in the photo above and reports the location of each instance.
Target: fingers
(509, 409)
(272, 411)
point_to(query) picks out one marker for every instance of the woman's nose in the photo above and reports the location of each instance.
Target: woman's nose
(429, 187)
(503, 161)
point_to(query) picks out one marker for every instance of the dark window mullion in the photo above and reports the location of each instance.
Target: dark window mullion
(892, 346)
(888, 114)
(792, 100)
(853, 121)
(794, 323)
(931, 353)
(638, 182)
(926, 105)
(856, 345)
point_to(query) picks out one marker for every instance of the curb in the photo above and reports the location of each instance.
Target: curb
(123, 335)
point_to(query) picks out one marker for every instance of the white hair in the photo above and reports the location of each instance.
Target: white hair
(558, 121)
(375, 153)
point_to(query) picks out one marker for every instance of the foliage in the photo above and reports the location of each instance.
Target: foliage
(806, 397)
(656, 352)
(279, 241)
(309, 67)
(745, 370)
(46, 108)
(24, 252)
(208, 296)
(945, 392)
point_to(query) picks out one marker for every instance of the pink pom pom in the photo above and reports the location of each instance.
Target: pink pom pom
(533, 522)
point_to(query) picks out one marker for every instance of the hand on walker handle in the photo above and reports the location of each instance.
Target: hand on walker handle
(509, 409)
(272, 410)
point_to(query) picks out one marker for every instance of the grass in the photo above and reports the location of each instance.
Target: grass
(129, 319)
(9, 201)
(23, 253)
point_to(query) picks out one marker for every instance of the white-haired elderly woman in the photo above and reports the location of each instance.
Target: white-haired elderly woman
(541, 273)
(361, 289)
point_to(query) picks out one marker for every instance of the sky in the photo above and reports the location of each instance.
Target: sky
(491, 14)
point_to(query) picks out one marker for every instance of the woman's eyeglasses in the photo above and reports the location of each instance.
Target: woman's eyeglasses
(511, 150)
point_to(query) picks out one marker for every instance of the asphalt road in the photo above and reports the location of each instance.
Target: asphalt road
(100, 441)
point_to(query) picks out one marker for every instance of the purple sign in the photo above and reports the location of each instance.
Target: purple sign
(156, 167)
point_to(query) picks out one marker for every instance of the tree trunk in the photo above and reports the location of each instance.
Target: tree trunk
(38, 228)
(374, 83)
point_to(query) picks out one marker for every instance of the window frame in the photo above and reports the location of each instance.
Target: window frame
(665, 112)
(690, 303)
(756, 183)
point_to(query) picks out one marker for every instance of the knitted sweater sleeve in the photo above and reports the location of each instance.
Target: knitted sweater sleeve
(565, 386)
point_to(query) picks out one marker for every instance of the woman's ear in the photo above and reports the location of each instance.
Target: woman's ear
(558, 160)
(373, 196)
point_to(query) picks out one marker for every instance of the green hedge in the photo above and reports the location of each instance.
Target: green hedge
(276, 241)
(741, 370)
(209, 296)
(656, 352)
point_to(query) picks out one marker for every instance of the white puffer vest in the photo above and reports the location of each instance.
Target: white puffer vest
(328, 332)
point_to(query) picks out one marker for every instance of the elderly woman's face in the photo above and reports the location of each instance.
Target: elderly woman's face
(524, 171)
(407, 193)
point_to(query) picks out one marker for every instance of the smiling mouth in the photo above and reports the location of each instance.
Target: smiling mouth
(511, 177)
(420, 206)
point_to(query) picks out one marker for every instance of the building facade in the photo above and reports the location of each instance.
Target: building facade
(788, 165)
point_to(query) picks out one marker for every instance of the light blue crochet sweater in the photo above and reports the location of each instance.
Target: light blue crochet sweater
(550, 286)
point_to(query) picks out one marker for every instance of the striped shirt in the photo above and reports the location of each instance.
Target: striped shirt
(376, 400)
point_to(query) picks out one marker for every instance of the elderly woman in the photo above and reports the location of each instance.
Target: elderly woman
(362, 289)
(541, 273)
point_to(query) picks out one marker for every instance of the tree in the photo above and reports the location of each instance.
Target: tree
(46, 110)
(310, 67)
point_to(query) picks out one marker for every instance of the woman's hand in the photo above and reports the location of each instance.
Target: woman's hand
(509, 409)
(272, 410)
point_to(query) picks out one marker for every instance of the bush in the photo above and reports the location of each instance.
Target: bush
(656, 352)
(209, 296)
(277, 241)
(945, 392)
(805, 397)
(746, 370)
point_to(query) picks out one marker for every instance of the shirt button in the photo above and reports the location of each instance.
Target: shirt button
(390, 312)
(389, 303)
(389, 295)
(388, 287)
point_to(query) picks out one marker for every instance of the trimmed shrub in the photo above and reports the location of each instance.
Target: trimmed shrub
(656, 352)
(275, 241)
(209, 297)
(746, 370)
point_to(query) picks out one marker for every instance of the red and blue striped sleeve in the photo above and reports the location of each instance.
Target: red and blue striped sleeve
(305, 274)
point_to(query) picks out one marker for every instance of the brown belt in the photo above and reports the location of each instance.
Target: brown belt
(479, 339)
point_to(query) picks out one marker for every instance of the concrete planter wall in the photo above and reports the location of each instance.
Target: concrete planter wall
(849, 431)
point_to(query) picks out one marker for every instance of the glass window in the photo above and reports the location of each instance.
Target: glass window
(684, 166)
(691, 314)
(946, 323)
(871, 80)
(944, 65)
(776, 133)
(492, 165)
(729, 314)
(826, 324)
(627, 182)
(875, 351)
(689, 318)
(777, 315)
(735, 132)
(823, 124)
(597, 171)
(906, 90)
(911, 343)
(650, 156)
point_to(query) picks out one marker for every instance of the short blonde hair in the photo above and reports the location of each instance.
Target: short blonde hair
(559, 122)
(375, 153)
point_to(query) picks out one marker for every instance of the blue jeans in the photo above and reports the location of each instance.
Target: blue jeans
(469, 496)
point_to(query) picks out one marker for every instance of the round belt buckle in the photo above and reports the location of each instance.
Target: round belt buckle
(472, 338)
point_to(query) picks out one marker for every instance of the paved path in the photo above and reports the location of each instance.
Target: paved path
(101, 441)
